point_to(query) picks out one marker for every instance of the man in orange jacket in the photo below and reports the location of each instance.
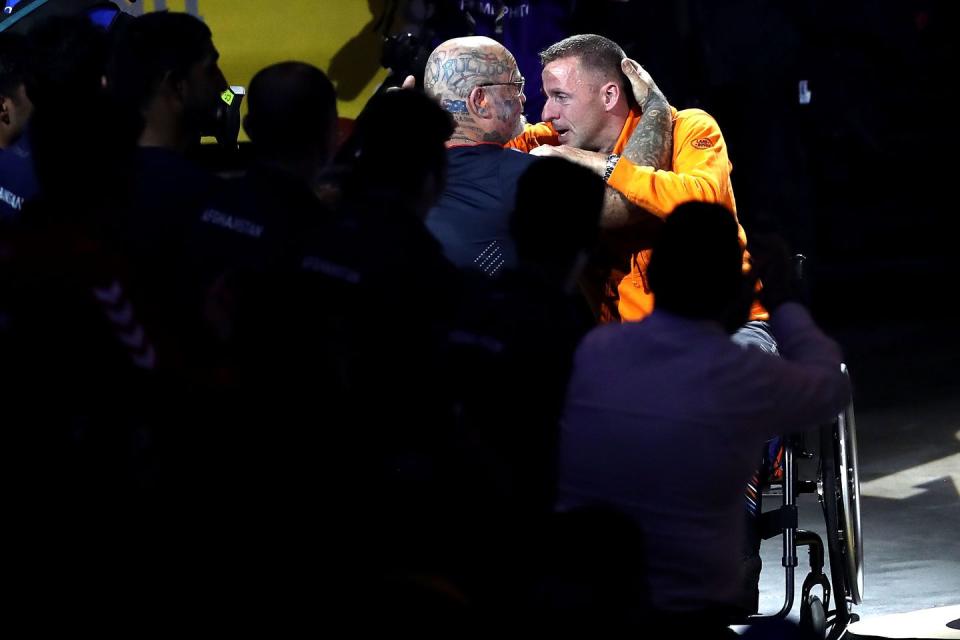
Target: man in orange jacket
(595, 99)
(593, 117)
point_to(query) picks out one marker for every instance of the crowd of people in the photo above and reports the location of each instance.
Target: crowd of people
(367, 380)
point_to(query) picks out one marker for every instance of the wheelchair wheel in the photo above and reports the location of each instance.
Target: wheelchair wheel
(813, 616)
(840, 497)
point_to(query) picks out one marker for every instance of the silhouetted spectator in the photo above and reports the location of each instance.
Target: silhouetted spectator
(81, 153)
(674, 391)
(340, 351)
(164, 76)
(247, 222)
(17, 180)
(511, 350)
(79, 362)
(15, 106)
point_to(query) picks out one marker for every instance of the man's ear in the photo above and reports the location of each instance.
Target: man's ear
(478, 103)
(4, 109)
(611, 95)
(172, 87)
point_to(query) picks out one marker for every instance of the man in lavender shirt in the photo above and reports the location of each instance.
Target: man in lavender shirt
(664, 417)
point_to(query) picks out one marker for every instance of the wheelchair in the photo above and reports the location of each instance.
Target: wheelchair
(837, 486)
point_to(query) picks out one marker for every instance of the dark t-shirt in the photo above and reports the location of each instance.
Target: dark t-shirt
(472, 217)
(18, 180)
(167, 194)
(510, 349)
(248, 221)
(169, 191)
(350, 333)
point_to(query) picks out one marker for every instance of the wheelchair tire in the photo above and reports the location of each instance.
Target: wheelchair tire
(813, 616)
(839, 485)
(840, 497)
(829, 499)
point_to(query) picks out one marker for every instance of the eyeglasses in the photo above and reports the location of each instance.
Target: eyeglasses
(519, 84)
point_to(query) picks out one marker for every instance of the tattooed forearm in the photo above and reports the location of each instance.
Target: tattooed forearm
(637, 225)
(616, 210)
(651, 144)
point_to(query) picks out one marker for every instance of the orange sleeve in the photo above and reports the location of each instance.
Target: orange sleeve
(701, 169)
(534, 135)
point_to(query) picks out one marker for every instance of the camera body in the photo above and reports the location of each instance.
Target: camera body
(405, 55)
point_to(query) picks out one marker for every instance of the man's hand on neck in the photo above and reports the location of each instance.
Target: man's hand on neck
(651, 144)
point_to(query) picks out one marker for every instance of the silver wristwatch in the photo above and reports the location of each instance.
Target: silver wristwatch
(612, 160)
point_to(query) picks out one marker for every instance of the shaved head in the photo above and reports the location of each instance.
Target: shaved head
(458, 65)
(460, 68)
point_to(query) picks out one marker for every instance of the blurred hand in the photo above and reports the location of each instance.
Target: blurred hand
(408, 83)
